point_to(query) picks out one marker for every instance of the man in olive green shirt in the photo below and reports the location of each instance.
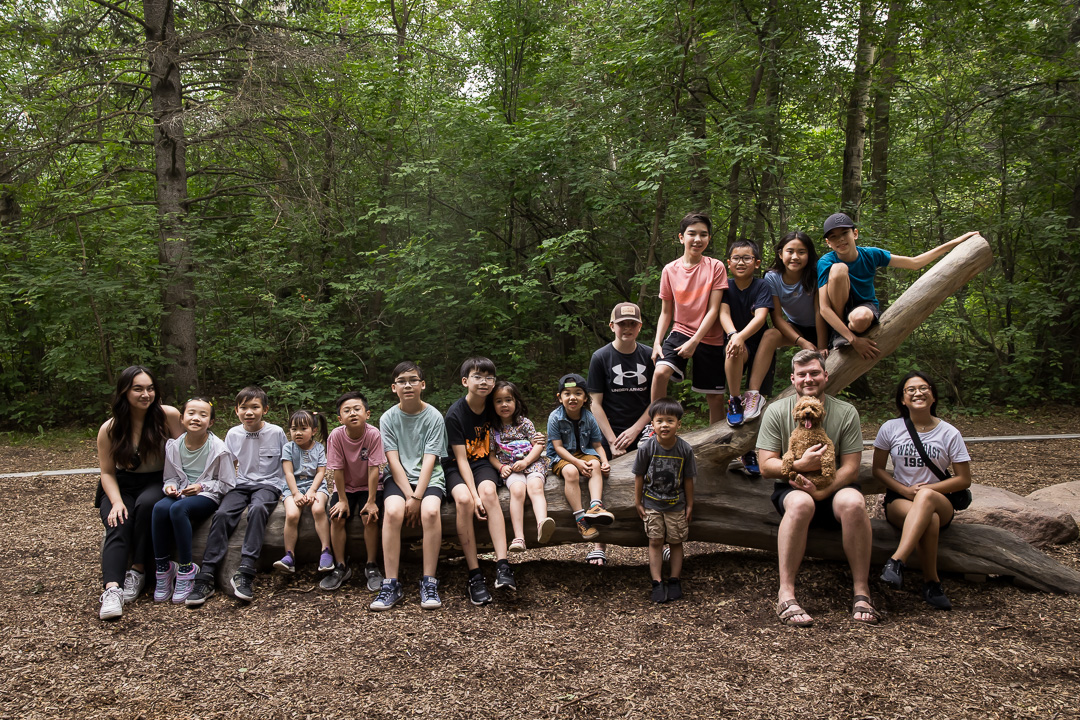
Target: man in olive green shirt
(801, 505)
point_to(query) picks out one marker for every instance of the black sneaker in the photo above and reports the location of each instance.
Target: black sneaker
(750, 464)
(934, 595)
(478, 592)
(659, 592)
(674, 589)
(504, 577)
(893, 573)
(336, 577)
(201, 592)
(243, 586)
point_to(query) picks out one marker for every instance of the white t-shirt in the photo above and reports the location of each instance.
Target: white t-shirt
(944, 445)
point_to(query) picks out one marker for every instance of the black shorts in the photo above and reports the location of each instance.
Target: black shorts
(806, 331)
(357, 500)
(823, 509)
(481, 470)
(391, 489)
(752, 346)
(959, 500)
(708, 375)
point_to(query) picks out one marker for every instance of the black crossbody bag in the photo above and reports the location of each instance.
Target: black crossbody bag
(960, 499)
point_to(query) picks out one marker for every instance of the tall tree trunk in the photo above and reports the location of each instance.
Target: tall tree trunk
(883, 89)
(734, 210)
(851, 181)
(771, 130)
(693, 110)
(174, 246)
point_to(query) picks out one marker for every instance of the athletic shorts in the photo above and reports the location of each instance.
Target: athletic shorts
(808, 332)
(823, 509)
(708, 375)
(481, 470)
(392, 490)
(357, 500)
(669, 525)
(752, 346)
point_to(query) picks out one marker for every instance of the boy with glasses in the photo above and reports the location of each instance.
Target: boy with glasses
(743, 311)
(472, 480)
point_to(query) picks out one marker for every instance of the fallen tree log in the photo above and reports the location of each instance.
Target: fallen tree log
(729, 508)
(733, 509)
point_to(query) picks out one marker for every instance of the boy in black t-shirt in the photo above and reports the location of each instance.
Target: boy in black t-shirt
(620, 383)
(744, 310)
(471, 479)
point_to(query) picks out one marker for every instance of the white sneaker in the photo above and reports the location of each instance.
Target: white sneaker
(133, 585)
(112, 603)
(752, 404)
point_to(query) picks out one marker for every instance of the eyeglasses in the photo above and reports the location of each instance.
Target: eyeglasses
(742, 259)
(482, 379)
(408, 382)
(915, 390)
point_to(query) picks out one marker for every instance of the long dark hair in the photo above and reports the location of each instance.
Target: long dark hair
(521, 410)
(154, 430)
(809, 273)
(900, 393)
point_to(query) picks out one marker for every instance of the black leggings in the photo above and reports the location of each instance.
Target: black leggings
(139, 492)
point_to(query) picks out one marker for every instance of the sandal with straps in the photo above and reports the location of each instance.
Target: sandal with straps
(788, 609)
(875, 615)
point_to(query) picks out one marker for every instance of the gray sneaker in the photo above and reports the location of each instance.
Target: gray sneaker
(133, 585)
(373, 576)
(112, 603)
(185, 583)
(429, 593)
(336, 577)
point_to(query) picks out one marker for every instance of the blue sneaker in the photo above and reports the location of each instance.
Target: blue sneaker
(734, 411)
(750, 464)
(390, 594)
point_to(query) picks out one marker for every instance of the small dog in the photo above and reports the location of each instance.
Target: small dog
(809, 414)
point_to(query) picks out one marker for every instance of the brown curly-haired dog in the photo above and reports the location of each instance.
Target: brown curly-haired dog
(809, 414)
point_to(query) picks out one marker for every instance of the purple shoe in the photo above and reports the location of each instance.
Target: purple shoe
(326, 561)
(163, 588)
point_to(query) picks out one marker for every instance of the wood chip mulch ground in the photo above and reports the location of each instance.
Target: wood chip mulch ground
(576, 641)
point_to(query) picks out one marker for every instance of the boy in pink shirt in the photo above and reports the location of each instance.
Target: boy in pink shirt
(690, 292)
(354, 452)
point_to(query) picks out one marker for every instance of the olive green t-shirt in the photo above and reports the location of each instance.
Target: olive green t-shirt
(841, 425)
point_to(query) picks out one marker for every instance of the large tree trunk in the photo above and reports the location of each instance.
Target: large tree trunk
(851, 181)
(732, 509)
(883, 89)
(170, 170)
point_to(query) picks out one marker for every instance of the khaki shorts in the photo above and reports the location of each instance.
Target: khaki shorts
(670, 525)
(557, 468)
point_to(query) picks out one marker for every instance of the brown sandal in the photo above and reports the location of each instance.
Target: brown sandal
(788, 609)
(875, 616)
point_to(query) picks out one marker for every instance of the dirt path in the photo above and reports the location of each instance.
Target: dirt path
(577, 642)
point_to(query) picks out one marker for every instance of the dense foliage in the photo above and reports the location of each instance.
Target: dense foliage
(373, 180)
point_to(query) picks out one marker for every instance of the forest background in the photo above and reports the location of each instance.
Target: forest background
(303, 193)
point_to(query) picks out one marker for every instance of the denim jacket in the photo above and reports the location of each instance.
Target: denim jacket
(560, 427)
